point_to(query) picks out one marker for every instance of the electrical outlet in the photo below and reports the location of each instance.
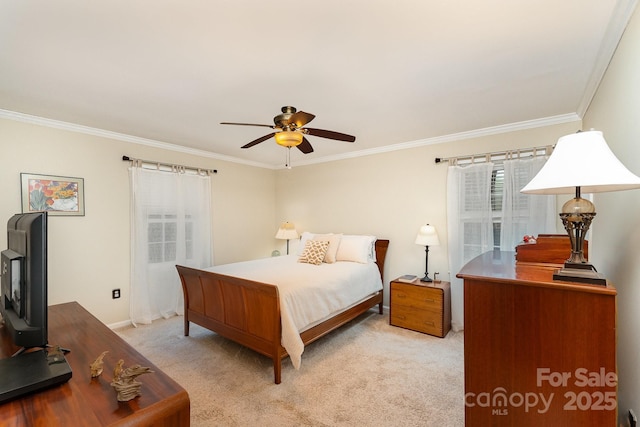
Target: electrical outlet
(115, 293)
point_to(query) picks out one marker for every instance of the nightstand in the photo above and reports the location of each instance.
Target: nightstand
(421, 306)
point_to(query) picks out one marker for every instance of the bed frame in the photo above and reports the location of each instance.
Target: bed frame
(248, 312)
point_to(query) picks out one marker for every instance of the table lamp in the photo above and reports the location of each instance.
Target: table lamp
(580, 162)
(287, 232)
(427, 236)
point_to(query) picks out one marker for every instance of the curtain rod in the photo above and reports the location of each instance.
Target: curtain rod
(172, 167)
(499, 155)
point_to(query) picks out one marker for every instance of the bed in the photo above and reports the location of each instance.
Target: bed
(250, 304)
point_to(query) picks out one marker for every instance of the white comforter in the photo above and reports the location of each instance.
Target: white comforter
(308, 293)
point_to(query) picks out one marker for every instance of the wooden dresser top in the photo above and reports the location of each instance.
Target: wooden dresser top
(501, 267)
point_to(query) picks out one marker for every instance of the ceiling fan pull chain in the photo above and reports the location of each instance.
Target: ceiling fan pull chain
(288, 160)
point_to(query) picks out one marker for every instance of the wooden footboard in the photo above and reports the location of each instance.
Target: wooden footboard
(244, 311)
(248, 312)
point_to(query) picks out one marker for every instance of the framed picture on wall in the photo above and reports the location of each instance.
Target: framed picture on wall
(58, 195)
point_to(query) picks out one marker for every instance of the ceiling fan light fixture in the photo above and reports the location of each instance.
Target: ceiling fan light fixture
(289, 138)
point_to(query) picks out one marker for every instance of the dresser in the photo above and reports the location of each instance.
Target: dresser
(536, 351)
(421, 306)
(83, 401)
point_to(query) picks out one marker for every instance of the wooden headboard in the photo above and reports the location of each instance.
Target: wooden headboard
(381, 254)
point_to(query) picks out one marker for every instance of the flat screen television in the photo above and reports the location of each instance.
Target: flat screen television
(23, 266)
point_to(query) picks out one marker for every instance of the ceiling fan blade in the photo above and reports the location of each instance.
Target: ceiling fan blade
(258, 141)
(301, 118)
(247, 124)
(330, 134)
(305, 146)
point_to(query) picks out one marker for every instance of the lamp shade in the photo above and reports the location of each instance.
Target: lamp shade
(427, 236)
(287, 231)
(582, 160)
(289, 138)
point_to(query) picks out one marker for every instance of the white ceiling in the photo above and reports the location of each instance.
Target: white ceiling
(388, 72)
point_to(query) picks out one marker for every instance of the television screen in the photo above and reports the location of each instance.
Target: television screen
(12, 280)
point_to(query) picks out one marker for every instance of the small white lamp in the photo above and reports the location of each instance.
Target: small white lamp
(580, 162)
(427, 236)
(287, 231)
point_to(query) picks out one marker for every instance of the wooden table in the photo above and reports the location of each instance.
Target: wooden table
(537, 351)
(84, 401)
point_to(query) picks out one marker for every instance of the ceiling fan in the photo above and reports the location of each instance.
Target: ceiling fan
(290, 131)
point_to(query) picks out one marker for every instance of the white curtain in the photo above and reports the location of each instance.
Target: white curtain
(170, 224)
(524, 214)
(470, 225)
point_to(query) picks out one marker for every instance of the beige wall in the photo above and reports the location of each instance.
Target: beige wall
(616, 229)
(391, 195)
(89, 255)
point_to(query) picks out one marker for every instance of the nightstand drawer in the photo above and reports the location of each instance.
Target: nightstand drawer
(429, 322)
(416, 296)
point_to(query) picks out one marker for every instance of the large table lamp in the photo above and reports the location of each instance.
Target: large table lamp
(427, 236)
(287, 231)
(580, 163)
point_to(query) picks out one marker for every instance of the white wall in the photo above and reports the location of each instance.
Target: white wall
(391, 195)
(616, 228)
(89, 255)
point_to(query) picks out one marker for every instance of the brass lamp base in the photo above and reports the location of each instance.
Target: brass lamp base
(576, 215)
(582, 273)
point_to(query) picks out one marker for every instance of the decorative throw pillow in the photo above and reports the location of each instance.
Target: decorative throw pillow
(314, 252)
(332, 250)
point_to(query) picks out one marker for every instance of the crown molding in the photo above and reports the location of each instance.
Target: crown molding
(620, 17)
(494, 130)
(72, 127)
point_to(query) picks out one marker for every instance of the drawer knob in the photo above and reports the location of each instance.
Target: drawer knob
(430, 300)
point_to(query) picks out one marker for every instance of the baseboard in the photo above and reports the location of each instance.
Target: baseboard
(119, 325)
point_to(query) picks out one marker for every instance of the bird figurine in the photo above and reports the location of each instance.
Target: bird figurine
(98, 365)
(124, 381)
(131, 373)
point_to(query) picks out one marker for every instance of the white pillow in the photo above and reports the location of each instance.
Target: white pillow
(357, 249)
(303, 241)
(334, 243)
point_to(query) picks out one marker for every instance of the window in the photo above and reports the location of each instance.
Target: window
(170, 224)
(497, 193)
(163, 237)
(475, 209)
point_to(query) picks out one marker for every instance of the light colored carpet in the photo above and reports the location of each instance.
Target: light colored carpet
(366, 373)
